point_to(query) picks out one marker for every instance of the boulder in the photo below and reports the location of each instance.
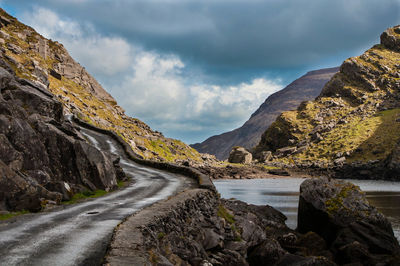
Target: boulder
(265, 156)
(267, 253)
(339, 212)
(240, 155)
(42, 157)
(20, 192)
(390, 38)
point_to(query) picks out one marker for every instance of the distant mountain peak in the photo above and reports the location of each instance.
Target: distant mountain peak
(306, 87)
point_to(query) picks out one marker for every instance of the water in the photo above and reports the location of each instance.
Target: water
(283, 194)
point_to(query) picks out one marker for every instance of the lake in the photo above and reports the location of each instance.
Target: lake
(283, 194)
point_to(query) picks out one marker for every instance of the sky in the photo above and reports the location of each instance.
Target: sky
(195, 68)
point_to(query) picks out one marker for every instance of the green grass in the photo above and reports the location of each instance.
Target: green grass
(223, 213)
(121, 184)
(85, 195)
(12, 214)
(370, 138)
(161, 235)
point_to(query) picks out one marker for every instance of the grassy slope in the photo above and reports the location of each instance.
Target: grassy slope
(369, 132)
(90, 107)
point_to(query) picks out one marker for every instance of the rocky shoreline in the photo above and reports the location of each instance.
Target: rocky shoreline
(337, 226)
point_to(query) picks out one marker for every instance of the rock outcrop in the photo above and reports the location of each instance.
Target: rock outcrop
(198, 228)
(352, 127)
(240, 155)
(43, 158)
(304, 88)
(337, 226)
(47, 62)
(354, 231)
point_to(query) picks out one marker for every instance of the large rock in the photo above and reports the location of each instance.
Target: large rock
(340, 213)
(240, 155)
(42, 157)
(21, 192)
(268, 252)
(391, 38)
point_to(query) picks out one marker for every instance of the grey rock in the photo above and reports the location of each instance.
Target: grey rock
(389, 39)
(339, 161)
(40, 152)
(212, 239)
(285, 151)
(340, 213)
(240, 155)
(267, 253)
(265, 156)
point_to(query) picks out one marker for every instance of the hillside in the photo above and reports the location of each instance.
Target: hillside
(48, 64)
(353, 125)
(304, 88)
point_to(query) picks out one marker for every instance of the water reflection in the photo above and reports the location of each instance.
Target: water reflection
(283, 194)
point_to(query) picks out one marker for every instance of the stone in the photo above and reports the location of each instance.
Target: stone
(285, 151)
(339, 212)
(268, 252)
(265, 156)
(14, 48)
(240, 155)
(55, 74)
(339, 161)
(4, 21)
(355, 252)
(316, 137)
(212, 240)
(390, 40)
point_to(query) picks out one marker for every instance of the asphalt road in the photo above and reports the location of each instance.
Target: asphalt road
(79, 234)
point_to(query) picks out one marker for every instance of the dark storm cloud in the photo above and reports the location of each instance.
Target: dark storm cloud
(239, 34)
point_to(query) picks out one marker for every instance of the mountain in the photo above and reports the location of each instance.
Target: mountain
(48, 64)
(305, 88)
(352, 127)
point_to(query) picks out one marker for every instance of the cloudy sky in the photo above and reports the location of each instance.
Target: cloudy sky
(195, 68)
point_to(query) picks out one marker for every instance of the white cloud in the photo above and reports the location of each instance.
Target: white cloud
(101, 54)
(156, 90)
(152, 86)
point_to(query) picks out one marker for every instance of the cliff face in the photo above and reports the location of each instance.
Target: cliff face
(305, 88)
(43, 159)
(47, 63)
(353, 123)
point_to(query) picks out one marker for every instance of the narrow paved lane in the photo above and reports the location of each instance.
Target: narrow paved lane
(79, 234)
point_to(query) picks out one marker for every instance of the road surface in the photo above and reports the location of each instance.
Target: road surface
(79, 234)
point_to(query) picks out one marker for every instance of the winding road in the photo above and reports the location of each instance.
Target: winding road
(79, 234)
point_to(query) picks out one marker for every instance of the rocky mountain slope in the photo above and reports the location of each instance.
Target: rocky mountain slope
(48, 63)
(43, 158)
(353, 126)
(304, 88)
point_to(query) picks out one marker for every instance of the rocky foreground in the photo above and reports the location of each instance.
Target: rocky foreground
(337, 226)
